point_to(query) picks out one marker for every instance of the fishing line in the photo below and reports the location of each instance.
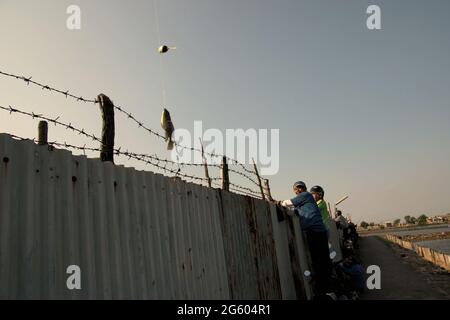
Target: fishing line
(161, 63)
(161, 69)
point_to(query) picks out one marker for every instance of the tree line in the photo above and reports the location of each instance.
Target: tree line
(420, 220)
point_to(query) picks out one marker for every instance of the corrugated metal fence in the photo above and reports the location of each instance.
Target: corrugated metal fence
(135, 234)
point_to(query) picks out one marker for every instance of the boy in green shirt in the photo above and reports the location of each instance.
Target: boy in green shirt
(318, 194)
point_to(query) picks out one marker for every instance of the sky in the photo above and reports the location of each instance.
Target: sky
(363, 113)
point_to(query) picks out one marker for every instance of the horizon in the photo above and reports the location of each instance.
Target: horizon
(402, 218)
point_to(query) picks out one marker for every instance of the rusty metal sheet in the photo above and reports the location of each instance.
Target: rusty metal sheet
(134, 234)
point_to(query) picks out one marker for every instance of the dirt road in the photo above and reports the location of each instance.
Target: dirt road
(404, 275)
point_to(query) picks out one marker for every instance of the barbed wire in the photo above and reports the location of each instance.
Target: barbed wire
(233, 187)
(245, 193)
(240, 190)
(69, 126)
(140, 157)
(84, 148)
(54, 121)
(176, 173)
(243, 175)
(186, 164)
(148, 159)
(245, 189)
(67, 94)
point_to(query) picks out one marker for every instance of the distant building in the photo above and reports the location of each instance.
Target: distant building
(388, 224)
(436, 219)
(439, 218)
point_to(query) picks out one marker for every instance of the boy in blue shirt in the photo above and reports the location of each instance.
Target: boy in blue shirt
(311, 222)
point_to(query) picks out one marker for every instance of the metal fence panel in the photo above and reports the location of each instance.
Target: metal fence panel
(334, 240)
(135, 234)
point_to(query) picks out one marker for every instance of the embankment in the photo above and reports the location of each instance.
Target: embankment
(438, 258)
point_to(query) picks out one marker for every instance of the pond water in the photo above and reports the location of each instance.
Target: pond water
(437, 245)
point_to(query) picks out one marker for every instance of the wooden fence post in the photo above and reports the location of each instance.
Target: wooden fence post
(108, 128)
(224, 174)
(43, 133)
(268, 193)
(259, 181)
(205, 163)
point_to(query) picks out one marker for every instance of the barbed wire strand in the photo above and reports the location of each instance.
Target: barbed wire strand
(240, 190)
(140, 157)
(54, 121)
(143, 158)
(233, 187)
(67, 94)
(84, 148)
(210, 165)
